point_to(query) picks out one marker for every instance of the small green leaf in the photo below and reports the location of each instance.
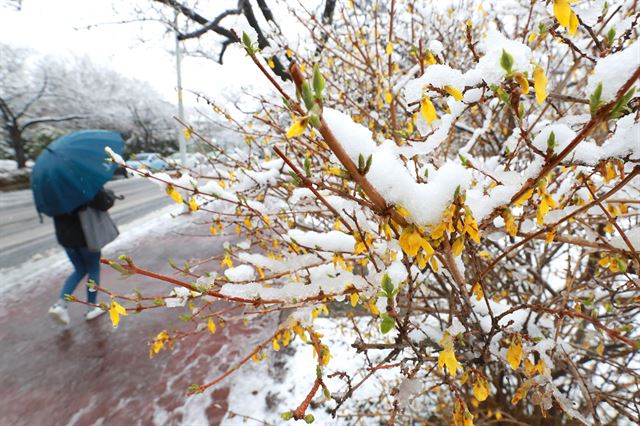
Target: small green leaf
(287, 415)
(307, 167)
(368, 164)
(595, 99)
(387, 285)
(542, 28)
(551, 141)
(315, 121)
(621, 106)
(120, 268)
(248, 44)
(295, 179)
(318, 81)
(387, 323)
(503, 96)
(611, 36)
(307, 96)
(309, 418)
(456, 193)
(506, 61)
(194, 389)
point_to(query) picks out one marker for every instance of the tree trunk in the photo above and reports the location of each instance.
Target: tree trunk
(15, 134)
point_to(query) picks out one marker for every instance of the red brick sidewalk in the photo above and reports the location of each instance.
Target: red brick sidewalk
(92, 374)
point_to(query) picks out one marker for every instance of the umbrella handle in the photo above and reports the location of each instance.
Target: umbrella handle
(119, 197)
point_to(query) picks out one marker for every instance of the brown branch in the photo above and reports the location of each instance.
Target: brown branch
(309, 185)
(602, 114)
(343, 157)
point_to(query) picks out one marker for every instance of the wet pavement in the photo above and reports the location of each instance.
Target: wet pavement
(91, 374)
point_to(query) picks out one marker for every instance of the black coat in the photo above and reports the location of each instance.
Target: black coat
(68, 228)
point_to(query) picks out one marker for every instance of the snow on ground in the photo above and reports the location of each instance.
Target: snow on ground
(261, 392)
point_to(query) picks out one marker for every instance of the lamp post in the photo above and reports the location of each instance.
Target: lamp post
(181, 135)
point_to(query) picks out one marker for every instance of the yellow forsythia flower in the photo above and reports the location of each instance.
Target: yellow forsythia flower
(296, 129)
(481, 389)
(389, 49)
(158, 343)
(457, 95)
(521, 392)
(523, 82)
(510, 223)
(477, 291)
(565, 16)
(354, 299)
(211, 326)
(427, 110)
(524, 197)
(457, 246)
(286, 337)
(411, 241)
(562, 12)
(550, 236)
(115, 312)
(193, 205)
(540, 84)
(187, 133)
(514, 354)
(373, 307)
(573, 24)
(434, 264)
(529, 367)
(175, 195)
(227, 261)
(325, 355)
(471, 228)
(447, 356)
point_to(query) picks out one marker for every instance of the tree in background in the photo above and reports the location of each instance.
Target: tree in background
(23, 96)
(43, 97)
(457, 184)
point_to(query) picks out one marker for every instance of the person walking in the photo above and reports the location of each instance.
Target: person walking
(68, 181)
(70, 235)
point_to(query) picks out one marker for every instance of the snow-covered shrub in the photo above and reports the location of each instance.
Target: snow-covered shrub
(465, 183)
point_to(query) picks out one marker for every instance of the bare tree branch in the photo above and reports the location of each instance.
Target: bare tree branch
(41, 120)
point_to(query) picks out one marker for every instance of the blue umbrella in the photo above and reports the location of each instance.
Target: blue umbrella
(72, 169)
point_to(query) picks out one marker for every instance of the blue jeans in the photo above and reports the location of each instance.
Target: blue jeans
(84, 262)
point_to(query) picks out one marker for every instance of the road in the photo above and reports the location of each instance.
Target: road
(22, 235)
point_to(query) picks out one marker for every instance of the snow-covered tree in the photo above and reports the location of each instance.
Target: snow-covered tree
(41, 95)
(22, 98)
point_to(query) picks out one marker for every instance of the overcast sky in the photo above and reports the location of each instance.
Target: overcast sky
(58, 27)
